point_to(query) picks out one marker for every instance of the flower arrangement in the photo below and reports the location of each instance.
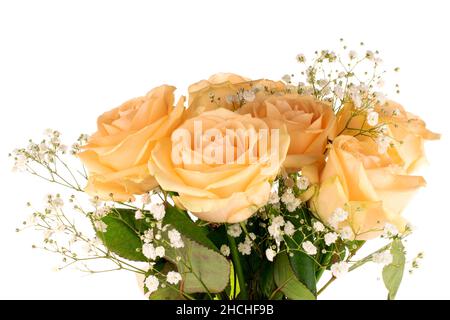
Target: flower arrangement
(250, 189)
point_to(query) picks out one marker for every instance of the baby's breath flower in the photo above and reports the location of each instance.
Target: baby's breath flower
(330, 238)
(346, 233)
(225, 250)
(270, 254)
(303, 183)
(390, 230)
(339, 269)
(245, 248)
(146, 199)
(274, 198)
(175, 239)
(152, 284)
(383, 143)
(309, 248)
(384, 257)
(318, 226)
(289, 229)
(100, 226)
(286, 78)
(370, 55)
(248, 95)
(158, 211)
(173, 277)
(372, 118)
(148, 250)
(234, 230)
(138, 215)
(301, 57)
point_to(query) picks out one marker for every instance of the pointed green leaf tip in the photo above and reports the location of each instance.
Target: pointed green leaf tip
(287, 282)
(393, 273)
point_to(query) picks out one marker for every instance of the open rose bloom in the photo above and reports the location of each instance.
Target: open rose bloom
(271, 184)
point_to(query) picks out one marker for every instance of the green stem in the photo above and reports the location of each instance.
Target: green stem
(238, 267)
(326, 285)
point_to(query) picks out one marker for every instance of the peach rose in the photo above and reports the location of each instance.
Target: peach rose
(310, 124)
(117, 155)
(227, 176)
(226, 90)
(370, 188)
(405, 131)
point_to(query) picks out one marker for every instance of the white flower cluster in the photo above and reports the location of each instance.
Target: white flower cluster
(152, 282)
(245, 248)
(290, 201)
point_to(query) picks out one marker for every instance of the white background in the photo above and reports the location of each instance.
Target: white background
(62, 63)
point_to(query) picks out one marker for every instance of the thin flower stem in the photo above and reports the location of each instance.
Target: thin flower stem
(238, 267)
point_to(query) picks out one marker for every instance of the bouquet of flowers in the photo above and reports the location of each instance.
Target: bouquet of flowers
(250, 189)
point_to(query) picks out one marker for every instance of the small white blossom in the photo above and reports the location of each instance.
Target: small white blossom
(289, 199)
(100, 226)
(370, 55)
(289, 229)
(383, 143)
(252, 236)
(274, 198)
(330, 238)
(338, 91)
(309, 248)
(380, 97)
(234, 230)
(337, 216)
(303, 183)
(372, 118)
(173, 277)
(248, 95)
(384, 257)
(301, 57)
(152, 284)
(286, 78)
(346, 233)
(390, 230)
(175, 239)
(225, 250)
(148, 236)
(146, 199)
(102, 211)
(270, 254)
(339, 269)
(318, 226)
(138, 215)
(245, 248)
(278, 221)
(160, 252)
(148, 250)
(158, 211)
(352, 55)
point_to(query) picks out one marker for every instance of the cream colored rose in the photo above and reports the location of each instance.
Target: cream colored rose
(405, 133)
(226, 90)
(227, 176)
(368, 186)
(310, 124)
(117, 155)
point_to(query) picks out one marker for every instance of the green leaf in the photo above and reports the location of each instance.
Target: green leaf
(183, 223)
(121, 238)
(202, 269)
(266, 278)
(287, 282)
(167, 293)
(303, 265)
(393, 273)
